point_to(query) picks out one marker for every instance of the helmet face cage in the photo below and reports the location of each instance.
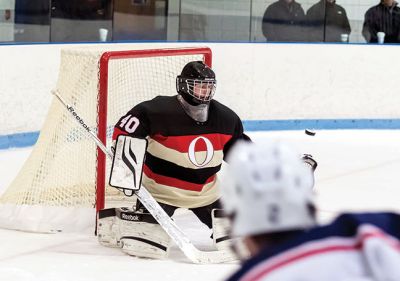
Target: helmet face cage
(202, 90)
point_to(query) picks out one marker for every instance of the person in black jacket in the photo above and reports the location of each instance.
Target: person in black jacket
(284, 21)
(82, 9)
(327, 21)
(384, 17)
(33, 12)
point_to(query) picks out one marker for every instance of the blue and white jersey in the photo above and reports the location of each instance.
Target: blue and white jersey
(353, 247)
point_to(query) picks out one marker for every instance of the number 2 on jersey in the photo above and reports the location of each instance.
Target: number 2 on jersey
(129, 123)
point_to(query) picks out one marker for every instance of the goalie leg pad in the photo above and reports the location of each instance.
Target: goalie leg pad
(107, 228)
(222, 240)
(221, 227)
(141, 235)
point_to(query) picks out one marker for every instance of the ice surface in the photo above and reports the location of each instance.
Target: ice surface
(358, 170)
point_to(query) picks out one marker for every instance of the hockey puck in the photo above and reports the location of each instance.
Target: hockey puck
(309, 132)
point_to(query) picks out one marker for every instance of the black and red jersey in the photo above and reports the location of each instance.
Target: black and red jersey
(183, 156)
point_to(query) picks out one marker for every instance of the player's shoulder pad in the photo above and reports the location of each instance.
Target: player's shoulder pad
(156, 103)
(223, 109)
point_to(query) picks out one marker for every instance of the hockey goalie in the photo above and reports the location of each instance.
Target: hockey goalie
(174, 146)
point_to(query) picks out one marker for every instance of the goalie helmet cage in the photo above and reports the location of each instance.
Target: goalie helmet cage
(66, 175)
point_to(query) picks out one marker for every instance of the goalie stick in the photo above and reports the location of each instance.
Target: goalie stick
(170, 227)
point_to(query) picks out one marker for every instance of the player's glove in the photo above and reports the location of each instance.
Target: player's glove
(309, 160)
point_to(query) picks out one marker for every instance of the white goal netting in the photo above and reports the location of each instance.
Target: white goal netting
(56, 188)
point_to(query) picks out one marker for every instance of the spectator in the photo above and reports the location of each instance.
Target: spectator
(32, 20)
(33, 12)
(78, 9)
(7, 14)
(267, 193)
(80, 20)
(384, 17)
(327, 21)
(284, 21)
(6, 20)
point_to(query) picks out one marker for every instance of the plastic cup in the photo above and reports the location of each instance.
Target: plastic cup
(344, 38)
(381, 37)
(103, 34)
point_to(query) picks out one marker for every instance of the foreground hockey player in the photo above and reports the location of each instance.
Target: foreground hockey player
(188, 136)
(267, 194)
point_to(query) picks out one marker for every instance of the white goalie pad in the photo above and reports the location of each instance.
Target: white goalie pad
(141, 235)
(108, 228)
(221, 228)
(126, 170)
(221, 236)
(136, 233)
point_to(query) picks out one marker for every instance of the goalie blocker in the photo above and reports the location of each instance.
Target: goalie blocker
(127, 165)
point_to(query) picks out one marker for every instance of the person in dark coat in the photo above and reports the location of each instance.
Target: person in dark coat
(384, 17)
(327, 21)
(32, 12)
(284, 21)
(82, 9)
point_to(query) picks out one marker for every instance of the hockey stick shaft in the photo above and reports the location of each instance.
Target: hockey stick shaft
(176, 234)
(83, 124)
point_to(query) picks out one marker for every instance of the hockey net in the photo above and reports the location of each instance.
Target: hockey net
(64, 180)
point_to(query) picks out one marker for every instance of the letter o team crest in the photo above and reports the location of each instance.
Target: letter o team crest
(209, 151)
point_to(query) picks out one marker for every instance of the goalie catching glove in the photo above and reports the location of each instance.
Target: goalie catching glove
(127, 166)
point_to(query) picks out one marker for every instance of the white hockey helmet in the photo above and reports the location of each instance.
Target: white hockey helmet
(267, 188)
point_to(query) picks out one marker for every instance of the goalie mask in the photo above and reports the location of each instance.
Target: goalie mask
(196, 83)
(266, 188)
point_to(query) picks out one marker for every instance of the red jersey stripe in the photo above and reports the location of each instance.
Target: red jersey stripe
(173, 182)
(117, 132)
(182, 143)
